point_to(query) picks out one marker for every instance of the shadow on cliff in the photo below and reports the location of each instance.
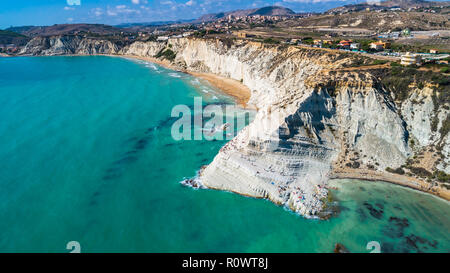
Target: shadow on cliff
(319, 106)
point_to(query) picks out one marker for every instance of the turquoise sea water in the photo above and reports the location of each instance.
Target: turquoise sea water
(86, 155)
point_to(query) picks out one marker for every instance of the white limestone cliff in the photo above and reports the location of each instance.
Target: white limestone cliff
(314, 116)
(67, 45)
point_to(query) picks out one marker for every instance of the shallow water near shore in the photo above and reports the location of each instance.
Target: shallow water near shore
(87, 156)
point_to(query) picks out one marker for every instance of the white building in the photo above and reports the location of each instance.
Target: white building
(354, 46)
(162, 38)
(410, 59)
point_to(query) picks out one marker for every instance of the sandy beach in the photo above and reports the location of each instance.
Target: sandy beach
(229, 86)
(236, 89)
(402, 180)
(163, 63)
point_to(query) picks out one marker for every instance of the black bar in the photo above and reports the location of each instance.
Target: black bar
(231, 262)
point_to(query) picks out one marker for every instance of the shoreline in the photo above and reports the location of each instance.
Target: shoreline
(241, 94)
(401, 180)
(405, 187)
(233, 88)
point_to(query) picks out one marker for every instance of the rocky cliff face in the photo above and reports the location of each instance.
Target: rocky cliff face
(313, 118)
(148, 49)
(67, 45)
(316, 118)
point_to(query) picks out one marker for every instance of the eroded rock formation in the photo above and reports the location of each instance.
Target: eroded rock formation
(316, 118)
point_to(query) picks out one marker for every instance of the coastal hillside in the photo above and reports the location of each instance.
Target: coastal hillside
(321, 114)
(66, 29)
(9, 37)
(375, 21)
(380, 5)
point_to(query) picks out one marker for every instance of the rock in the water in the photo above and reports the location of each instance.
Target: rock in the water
(340, 248)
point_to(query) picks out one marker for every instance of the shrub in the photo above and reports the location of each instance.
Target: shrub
(308, 40)
(434, 123)
(166, 54)
(445, 127)
(441, 176)
(375, 62)
(397, 171)
(419, 171)
(271, 41)
(397, 80)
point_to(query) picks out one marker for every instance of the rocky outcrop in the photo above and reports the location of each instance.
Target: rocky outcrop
(68, 45)
(143, 49)
(315, 117)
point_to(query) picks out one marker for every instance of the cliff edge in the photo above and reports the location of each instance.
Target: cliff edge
(321, 115)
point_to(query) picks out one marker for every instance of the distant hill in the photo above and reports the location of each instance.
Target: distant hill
(33, 31)
(404, 4)
(265, 11)
(9, 37)
(20, 30)
(375, 21)
(409, 3)
(273, 10)
(152, 24)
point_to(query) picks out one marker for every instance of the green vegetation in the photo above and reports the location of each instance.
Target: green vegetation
(443, 68)
(397, 171)
(377, 62)
(365, 43)
(4, 33)
(200, 33)
(308, 40)
(441, 176)
(354, 164)
(271, 41)
(167, 54)
(445, 127)
(398, 79)
(415, 48)
(9, 37)
(434, 123)
(419, 171)
(227, 41)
